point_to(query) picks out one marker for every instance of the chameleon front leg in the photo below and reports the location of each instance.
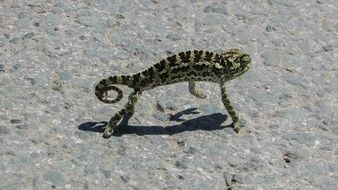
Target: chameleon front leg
(228, 106)
(127, 109)
(196, 91)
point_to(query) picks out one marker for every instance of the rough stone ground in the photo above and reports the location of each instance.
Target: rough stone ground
(53, 52)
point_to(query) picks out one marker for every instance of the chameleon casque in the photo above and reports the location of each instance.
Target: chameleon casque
(189, 66)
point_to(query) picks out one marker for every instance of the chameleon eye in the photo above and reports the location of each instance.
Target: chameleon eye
(245, 61)
(246, 58)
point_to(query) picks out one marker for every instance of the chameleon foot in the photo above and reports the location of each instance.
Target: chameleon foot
(199, 94)
(239, 124)
(107, 133)
(196, 91)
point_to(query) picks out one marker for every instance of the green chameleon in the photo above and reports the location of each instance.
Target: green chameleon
(189, 66)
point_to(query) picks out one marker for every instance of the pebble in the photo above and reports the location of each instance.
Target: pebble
(334, 129)
(87, 21)
(264, 98)
(15, 41)
(302, 138)
(22, 126)
(228, 178)
(161, 116)
(160, 106)
(15, 121)
(294, 80)
(55, 177)
(219, 8)
(90, 53)
(210, 108)
(4, 130)
(181, 142)
(233, 161)
(270, 28)
(50, 153)
(171, 105)
(84, 136)
(237, 178)
(319, 80)
(272, 57)
(107, 173)
(2, 68)
(173, 37)
(191, 150)
(327, 48)
(316, 168)
(65, 75)
(121, 150)
(125, 178)
(28, 36)
(181, 164)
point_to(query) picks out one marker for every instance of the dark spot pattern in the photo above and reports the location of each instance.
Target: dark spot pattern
(172, 60)
(151, 72)
(145, 73)
(97, 88)
(217, 58)
(181, 69)
(199, 67)
(103, 82)
(136, 79)
(160, 66)
(113, 79)
(164, 77)
(125, 79)
(208, 56)
(185, 56)
(197, 56)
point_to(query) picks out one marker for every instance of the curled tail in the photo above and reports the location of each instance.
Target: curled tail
(106, 84)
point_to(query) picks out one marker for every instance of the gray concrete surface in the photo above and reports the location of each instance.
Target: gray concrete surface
(53, 52)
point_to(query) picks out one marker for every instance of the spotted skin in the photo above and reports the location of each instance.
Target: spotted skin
(189, 66)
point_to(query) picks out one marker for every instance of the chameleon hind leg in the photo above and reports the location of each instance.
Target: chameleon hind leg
(128, 109)
(236, 121)
(196, 91)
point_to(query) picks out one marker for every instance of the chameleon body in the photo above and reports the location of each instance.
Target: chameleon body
(189, 66)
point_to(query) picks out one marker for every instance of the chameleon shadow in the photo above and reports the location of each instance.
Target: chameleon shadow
(206, 123)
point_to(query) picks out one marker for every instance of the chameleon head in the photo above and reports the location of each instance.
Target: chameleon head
(236, 62)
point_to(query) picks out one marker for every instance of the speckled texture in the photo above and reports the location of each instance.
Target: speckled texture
(53, 52)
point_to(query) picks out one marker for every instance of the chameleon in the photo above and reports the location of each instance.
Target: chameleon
(189, 66)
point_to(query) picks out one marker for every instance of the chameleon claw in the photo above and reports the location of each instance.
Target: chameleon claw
(237, 126)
